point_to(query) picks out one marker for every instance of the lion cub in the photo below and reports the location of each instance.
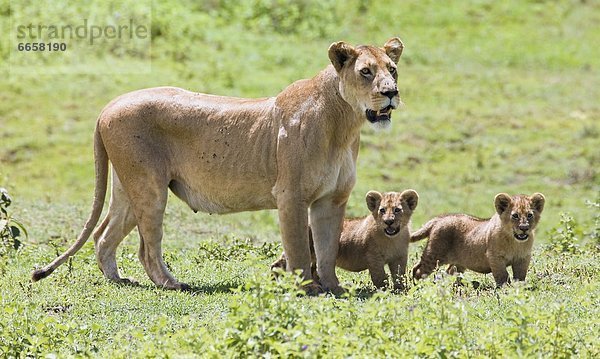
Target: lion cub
(483, 245)
(376, 240)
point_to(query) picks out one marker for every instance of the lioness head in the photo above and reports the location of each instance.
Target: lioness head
(392, 210)
(521, 212)
(368, 78)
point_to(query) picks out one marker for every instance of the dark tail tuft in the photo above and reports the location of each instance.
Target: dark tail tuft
(40, 274)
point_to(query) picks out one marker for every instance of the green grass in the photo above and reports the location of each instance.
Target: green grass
(500, 97)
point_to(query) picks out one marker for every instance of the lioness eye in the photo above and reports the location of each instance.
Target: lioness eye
(365, 71)
(529, 215)
(382, 210)
(515, 216)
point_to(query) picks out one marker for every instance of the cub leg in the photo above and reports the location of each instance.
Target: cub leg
(378, 275)
(326, 220)
(434, 255)
(398, 270)
(498, 267)
(455, 269)
(426, 265)
(520, 268)
(117, 224)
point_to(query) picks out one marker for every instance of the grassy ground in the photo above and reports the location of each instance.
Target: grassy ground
(500, 97)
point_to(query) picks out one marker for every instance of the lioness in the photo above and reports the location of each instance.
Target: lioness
(483, 245)
(373, 241)
(295, 152)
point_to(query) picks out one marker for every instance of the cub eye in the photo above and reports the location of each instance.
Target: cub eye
(397, 210)
(515, 216)
(382, 210)
(365, 71)
(392, 70)
(529, 215)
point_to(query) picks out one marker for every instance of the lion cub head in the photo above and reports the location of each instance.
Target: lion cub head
(520, 212)
(392, 210)
(368, 78)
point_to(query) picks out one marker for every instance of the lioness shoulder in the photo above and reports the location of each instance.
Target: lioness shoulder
(376, 240)
(484, 246)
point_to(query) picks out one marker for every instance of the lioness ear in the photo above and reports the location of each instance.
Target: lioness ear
(393, 48)
(537, 201)
(502, 202)
(411, 197)
(340, 53)
(373, 199)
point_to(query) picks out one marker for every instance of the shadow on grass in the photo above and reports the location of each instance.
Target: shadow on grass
(223, 287)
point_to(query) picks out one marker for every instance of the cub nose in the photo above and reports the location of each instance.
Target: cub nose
(390, 94)
(389, 222)
(524, 227)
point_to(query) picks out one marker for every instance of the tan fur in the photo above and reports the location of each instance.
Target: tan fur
(483, 245)
(378, 239)
(295, 152)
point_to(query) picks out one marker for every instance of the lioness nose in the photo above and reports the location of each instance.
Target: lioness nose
(524, 227)
(390, 94)
(389, 222)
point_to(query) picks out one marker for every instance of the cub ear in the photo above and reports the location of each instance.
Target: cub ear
(411, 197)
(393, 48)
(373, 199)
(502, 202)
(537, 201)
(340, 53)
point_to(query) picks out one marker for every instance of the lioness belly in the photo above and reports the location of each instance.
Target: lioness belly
(214, 200)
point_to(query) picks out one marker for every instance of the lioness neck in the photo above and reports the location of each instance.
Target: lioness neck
(317, 103)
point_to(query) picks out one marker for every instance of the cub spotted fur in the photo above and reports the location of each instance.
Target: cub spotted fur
(483, 245)
(376, 240)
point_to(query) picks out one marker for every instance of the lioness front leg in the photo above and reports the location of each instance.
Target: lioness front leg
(326, 219)
(293, 219)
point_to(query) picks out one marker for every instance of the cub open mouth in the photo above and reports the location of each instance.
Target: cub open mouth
(384, 114)
(391, 231)
(521, 236)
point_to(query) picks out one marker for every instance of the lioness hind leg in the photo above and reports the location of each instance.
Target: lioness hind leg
(117, 224)
(150, 220)
(147, 190)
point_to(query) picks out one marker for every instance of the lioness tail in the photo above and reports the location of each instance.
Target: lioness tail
(101, 167)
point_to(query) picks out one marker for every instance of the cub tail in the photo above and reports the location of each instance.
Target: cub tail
(423, 232)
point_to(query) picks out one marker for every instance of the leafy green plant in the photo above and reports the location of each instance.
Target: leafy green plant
(595, 231)
(10, 228)
(565, 237)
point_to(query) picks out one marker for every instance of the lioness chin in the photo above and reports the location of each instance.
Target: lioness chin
(378, 239)
(295, 152)
(483, 245)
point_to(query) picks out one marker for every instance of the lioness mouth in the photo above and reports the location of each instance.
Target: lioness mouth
(521, 236)
(384, 114)
(391, 231)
